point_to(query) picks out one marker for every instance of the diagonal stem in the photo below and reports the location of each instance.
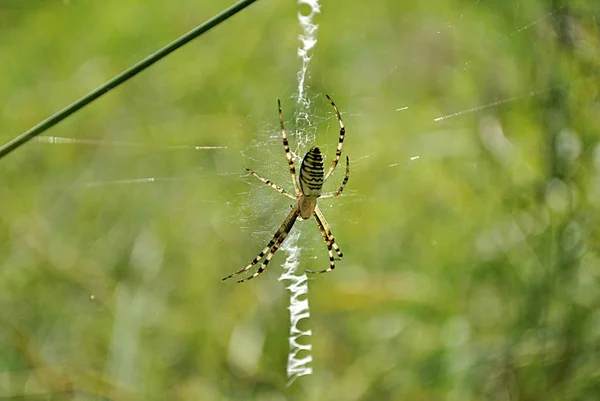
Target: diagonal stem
(122, 77)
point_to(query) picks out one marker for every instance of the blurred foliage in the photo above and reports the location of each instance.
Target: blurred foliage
(471, 242)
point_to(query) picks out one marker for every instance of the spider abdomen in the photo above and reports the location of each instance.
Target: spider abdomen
(312, 173)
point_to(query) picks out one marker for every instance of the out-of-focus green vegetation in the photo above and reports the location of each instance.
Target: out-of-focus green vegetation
(471, 272)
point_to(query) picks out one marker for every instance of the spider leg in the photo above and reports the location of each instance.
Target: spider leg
(272, 246)
(272, 185)
(329, 247)
(274, 249)
(318, 214)
(338, 151)
(288, 153)
(329, 241)
(346, 177)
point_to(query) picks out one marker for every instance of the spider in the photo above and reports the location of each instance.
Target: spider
(307, 189)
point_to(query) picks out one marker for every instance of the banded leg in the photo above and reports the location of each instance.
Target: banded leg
(272, 185)
(338, 151)
(283, 229)
(328, 242)
(319, 215)
(339, 191)
(288, 153)
(274, 249)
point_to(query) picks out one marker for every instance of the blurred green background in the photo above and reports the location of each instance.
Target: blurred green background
(471, 244)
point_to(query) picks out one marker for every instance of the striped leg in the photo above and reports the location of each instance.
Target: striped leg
(338, 152)
(272, 185)
(328, 242)
(274, 243)
(274, 249)
(288, 153)
(318, 214)
(346, 177)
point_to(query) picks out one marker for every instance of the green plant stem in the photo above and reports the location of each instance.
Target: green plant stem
(122, 77)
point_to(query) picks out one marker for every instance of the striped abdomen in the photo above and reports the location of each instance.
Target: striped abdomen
(311, 173)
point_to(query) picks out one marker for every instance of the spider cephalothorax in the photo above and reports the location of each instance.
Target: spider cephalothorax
(308, 188)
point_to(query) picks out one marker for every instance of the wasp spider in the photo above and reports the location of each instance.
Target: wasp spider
(307, 189)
